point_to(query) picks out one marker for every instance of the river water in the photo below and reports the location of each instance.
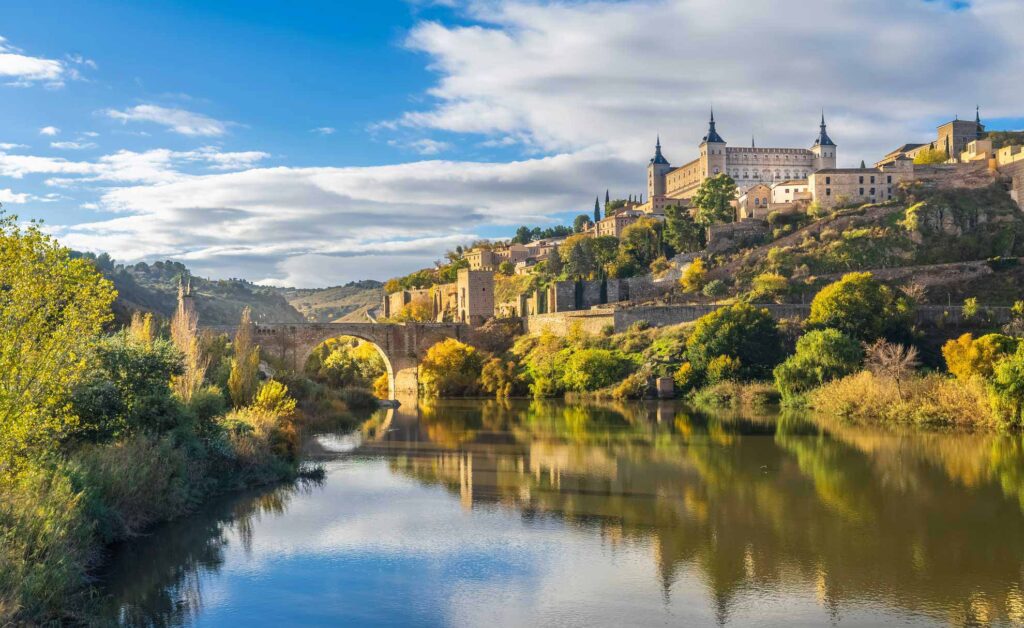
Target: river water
(487, 513)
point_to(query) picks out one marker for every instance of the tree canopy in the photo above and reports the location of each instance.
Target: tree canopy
(52, 308)
(713, 200)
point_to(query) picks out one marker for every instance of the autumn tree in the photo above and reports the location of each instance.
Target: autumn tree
(245, 366)
(52, 309)
(185, 336)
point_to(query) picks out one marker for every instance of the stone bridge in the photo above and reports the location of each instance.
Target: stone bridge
(402, 345)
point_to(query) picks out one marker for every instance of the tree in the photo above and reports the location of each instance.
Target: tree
(768, 286)
(450, 369)
(52, 309)
(713, 200)
(739, 331)
(185, 335)
(891, 360)
(578, 259)
(507, 268)
(682, 232)
(554, 263)
(605, 249)
(597, 208)
(640, 242)
(930, 156)
(968, 357)
(523, 236)
(821, 356)
(499, 377)
(694, 276)
(581, 222)
(245, 366)
(862, 307)
(590, 369)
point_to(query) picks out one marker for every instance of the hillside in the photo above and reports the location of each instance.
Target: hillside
(154, 288)
(349, 302)
(950, 243)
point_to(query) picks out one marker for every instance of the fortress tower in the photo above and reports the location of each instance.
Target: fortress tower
(824, 149)
(712, 151)
(656, 171)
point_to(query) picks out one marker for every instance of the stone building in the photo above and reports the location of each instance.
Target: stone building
(747, 167)
(475, 296)
(482, 258)
(841, 186)
(754, 203)
(952, 137)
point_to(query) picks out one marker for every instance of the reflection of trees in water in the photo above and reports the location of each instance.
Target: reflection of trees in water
(159, 583)
(917, 521)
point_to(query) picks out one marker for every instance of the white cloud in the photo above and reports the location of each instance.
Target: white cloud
(324, 130)
(49, 130)
(7, 196)
(10, 146)
(428, 146)
(569, 75)
(319, 226)
(23, 70)
(178, 120)
(73, 145)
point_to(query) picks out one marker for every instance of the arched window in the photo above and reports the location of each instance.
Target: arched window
(757, 201)
(765, 201)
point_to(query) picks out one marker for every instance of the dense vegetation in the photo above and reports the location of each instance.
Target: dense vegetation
(102, 434)
(154, 288)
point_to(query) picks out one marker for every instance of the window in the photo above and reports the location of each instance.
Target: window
(828, 180)
(889, 179)
(872, 179)
(757, 201)
(828, 192)
(872, 191)
(890, 191)
(764, 201)
(861, 180)
(861, 192)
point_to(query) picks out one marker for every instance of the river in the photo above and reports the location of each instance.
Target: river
(489, 513)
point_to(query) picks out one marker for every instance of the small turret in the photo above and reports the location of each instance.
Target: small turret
(713, 136)
(658, 157)
(824, 148)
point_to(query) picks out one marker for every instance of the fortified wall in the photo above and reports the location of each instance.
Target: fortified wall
(599, 320)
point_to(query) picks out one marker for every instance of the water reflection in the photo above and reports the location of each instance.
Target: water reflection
(737, 514)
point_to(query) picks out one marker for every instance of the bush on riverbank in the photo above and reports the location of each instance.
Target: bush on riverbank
(102, 436)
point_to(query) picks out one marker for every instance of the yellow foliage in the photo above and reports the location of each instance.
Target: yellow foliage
(382, 386)
(694, 276)
(967, 357)
(273, 398)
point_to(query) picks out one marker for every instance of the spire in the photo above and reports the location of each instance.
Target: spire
(752, 141)
(862, 165)
(658, 157)
(823, 138)
(977, 114)
(713, 135)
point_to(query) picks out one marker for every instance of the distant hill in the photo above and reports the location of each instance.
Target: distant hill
(154, 288)
(325, 305)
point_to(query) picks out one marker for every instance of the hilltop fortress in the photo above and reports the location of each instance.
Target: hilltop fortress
(748, 167)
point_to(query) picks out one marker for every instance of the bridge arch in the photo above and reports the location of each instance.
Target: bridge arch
(401, 345)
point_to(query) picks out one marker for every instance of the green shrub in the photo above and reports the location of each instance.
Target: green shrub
(821, 355)
(714, 288)
(724, 368)
(207, 404)
(861, 307)
(127, 391)
(359, 398)
(273, 398)
(590, 369)
(739, 331)
(633, 387)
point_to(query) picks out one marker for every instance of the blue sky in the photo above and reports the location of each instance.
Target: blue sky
(319, 142)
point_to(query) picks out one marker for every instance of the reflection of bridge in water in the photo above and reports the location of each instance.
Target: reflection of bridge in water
(402, 345)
